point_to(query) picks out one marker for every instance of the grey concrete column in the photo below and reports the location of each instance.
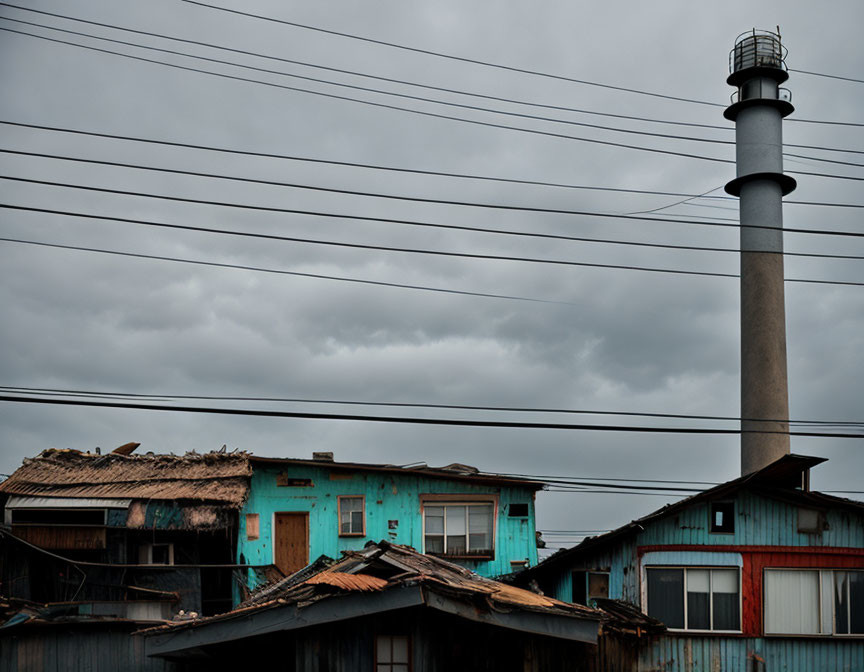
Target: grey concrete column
(760, 184)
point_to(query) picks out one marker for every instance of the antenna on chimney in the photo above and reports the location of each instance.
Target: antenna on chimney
(758, 67)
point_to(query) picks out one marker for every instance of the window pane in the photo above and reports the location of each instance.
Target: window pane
(480, 518)
(856, 602)
(666, 596)
(434, 543)
(724, 586)
(434, 520)
(792, 602)
(598, 585)
(400, 650)
(357, 521)
(384, 648)
(479, 542)
(455, 521)
(698, 616)
(455, 545)
(400, 668)
(841, 602)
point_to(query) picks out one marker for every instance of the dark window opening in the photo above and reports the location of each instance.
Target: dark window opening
(723, 517)
(518, 510)
(58, 516)
(588, 586)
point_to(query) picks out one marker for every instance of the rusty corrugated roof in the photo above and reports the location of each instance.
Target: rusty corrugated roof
(351, 582)
(213, 477)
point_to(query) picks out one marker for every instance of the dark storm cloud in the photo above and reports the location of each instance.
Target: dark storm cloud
(622, 340)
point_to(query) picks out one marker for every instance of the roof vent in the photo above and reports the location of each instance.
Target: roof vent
(323, 457)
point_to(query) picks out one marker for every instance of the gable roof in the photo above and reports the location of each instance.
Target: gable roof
(777, 480)
(382, 577)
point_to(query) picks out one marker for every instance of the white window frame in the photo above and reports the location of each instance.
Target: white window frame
(684, 568)
(464, 503)
(826, 576)
(352, 532)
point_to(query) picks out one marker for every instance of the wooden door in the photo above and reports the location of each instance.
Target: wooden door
(291, 541)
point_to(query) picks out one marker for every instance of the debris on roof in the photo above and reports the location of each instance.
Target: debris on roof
(212, 477)
(383, 566)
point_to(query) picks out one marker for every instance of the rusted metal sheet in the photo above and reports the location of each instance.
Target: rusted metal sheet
(62, 538)
(353, 582)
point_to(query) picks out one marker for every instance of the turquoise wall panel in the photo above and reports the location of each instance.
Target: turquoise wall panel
(393, 512)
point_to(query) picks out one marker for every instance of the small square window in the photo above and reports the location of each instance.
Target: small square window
(722, 517)
(351, 516)
(518, 510)
(392, 653)
(252, 526)
(810, 521)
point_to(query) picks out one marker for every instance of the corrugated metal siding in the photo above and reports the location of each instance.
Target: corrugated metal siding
(713, 654)
(81, 649)
(389, 497)
(759, 521)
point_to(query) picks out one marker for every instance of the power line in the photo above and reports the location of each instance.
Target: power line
(384, 248)
(493, 206)
(429, 100)
(462, 407)
(409, 420)
(441, 253)
(353, 73)
(257, 269)
(822, 74)
(475, 61)
(352, 164)
(460, 59)
(382, 91)
(376, 104)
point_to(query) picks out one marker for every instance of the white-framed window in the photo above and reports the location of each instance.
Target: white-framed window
(814, 601)
(392, 653)
(458, 529)
(352, 518)
(695, 598)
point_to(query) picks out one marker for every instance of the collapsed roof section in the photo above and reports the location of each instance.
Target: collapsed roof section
(382, 577)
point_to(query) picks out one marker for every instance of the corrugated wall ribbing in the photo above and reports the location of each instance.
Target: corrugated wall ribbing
(707, 654)
(83, 649)
(759, 521)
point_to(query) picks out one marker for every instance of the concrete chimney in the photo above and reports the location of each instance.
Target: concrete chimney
(757, 66)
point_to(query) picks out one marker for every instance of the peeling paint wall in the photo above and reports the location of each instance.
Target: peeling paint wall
(392, 512)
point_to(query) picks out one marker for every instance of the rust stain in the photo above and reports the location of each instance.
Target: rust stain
(353, 582)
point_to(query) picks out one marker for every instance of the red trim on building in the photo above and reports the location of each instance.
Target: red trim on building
(757, 558)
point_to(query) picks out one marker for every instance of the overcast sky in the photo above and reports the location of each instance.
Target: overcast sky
(599, 339)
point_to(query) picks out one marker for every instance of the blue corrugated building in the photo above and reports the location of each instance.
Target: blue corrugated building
(298, 510)
(757, 574)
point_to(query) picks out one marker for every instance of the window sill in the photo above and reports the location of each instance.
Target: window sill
(352, 534)
(707, 633)
(451, 556)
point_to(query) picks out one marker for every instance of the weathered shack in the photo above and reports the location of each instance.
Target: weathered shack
(757, 574)
(119, 528)
(389, 608)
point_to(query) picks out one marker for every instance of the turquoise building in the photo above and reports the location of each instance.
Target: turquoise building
(297, 510)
